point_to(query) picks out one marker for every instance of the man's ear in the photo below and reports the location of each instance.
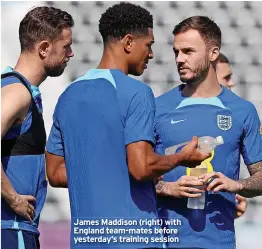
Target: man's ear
(214, 53)
(43, 48)
(127, 42)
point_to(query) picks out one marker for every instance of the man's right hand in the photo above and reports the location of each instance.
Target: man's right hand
(191, 156)
(185, 186)
(20, 205)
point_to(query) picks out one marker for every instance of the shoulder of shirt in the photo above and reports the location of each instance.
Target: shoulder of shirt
(167, 102)
(235, 102)
(78, 84)
(168, 94)
(77, 87)
(134, 83)
(164, 99)
(14, 80)
(10, 80)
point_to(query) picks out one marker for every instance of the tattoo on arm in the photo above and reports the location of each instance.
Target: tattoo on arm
(161, 188)
(252, 186)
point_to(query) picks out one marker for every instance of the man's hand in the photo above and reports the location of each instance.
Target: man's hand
(221, 183)
(20, 204)
(241, 206)
(183, 187)
(191, 156)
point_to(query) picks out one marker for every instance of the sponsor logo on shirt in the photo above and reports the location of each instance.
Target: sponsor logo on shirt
(177, 121)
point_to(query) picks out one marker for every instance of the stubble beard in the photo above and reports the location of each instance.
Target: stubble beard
(198, 73)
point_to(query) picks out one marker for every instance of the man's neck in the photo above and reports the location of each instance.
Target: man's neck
(30, 68)
(205, 88)
(113, 59)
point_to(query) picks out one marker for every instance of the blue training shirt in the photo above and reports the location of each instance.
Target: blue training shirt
(137, 108)
(178, 119)
(25, 172)
(95, 118)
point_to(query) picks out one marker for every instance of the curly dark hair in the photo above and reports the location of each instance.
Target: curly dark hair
(42, 23)
(122, 19)
(206, 27)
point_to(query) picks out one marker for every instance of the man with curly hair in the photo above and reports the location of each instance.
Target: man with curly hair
(118, 115)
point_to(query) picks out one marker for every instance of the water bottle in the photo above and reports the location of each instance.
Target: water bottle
(205, 144)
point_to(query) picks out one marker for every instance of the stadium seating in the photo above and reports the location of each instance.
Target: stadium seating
(241, 36)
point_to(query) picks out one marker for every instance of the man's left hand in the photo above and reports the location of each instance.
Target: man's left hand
(241, 206)
(221, 183)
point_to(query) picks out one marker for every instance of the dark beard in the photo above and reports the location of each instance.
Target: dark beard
(198, 77)
(54, 71)
(199, 73)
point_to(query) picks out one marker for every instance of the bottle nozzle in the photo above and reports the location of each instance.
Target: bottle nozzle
(220, 140)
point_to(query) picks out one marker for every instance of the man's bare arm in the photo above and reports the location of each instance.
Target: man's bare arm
(56, 170)
(15, 101)
(249, 187)
(252, 186)
(144, 164)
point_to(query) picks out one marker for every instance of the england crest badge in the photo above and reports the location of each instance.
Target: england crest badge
(224, 122)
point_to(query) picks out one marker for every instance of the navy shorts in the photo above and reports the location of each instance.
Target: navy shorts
(18, 239)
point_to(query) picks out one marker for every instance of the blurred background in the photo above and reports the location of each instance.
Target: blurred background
(241, 26)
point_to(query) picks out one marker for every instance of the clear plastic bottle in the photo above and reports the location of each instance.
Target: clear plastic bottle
(205, 144)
